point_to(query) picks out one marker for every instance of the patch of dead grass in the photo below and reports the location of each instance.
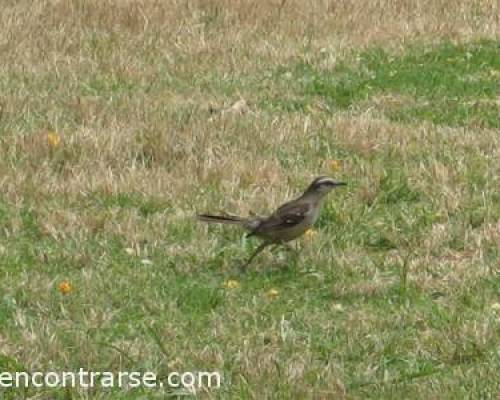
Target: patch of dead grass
(92, 72)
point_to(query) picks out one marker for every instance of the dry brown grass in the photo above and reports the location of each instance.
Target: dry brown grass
(59, 45)
(135, 89)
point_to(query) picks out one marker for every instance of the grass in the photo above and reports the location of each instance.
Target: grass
(452, 84)
(396, 294)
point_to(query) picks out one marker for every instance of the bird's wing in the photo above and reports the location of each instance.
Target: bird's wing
(287, 216)
(286, 205)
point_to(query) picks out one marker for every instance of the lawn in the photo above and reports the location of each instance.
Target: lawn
(120, 120)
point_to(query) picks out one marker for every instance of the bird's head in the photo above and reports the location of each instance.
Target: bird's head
(323, 185)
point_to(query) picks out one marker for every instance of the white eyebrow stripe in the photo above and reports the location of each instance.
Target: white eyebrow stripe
(325, 180)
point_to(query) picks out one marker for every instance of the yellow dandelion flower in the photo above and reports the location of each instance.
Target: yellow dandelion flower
(53, 139)
(334, 165)
(310, 234)
(272, 294)
(231, 284)
(64, 287)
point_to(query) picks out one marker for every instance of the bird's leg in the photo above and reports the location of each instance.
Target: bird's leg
(274, 246)
(254, 254)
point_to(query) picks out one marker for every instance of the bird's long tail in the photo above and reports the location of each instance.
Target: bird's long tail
(221, 219)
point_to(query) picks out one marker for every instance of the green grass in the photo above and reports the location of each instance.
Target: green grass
(395, 297)
(451, 84)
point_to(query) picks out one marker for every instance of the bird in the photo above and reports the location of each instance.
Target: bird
(288, 222)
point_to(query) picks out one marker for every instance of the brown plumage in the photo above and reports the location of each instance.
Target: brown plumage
(288, 222)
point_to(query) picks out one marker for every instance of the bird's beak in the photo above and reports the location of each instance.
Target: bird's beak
(340, 184)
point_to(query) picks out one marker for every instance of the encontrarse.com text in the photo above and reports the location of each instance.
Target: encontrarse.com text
(122, 379)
